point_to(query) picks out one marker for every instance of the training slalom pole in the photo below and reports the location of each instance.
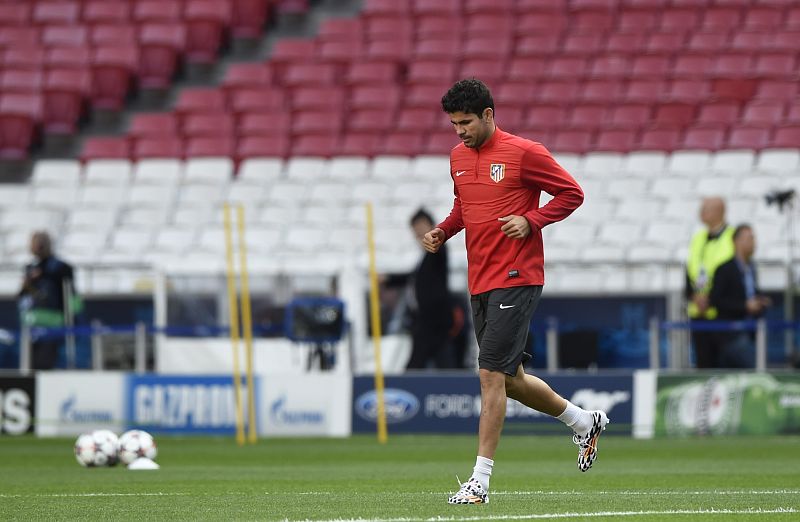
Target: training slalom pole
(247, 326)
(233, 306)
(375, 314)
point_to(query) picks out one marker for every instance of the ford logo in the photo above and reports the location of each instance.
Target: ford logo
(400, 405)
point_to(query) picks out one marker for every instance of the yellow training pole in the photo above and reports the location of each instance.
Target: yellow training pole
(247, 326)
(233, 305)
(375, 313)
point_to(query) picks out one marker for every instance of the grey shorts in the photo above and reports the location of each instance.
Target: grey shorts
(502, 319)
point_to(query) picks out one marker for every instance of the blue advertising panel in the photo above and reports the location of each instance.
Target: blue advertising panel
(184, 404)
(452, 404)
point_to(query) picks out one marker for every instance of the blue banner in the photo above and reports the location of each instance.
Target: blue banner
(452, 404)
(184, 404)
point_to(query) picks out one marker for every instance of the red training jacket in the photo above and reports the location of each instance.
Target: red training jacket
(505, 176)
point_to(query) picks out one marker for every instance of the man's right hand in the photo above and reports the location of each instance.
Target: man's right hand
(433, 240)
(701, 301)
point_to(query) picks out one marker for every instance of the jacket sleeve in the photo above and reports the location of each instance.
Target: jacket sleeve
(454, 223)
(540, 171)
(723, 295)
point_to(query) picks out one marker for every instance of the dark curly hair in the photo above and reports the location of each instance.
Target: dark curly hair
(470, 96)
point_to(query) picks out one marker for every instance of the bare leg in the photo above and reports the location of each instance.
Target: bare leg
(493, 411)
(534, 393)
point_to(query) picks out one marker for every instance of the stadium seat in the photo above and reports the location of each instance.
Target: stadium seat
(786, 137)
(584, 44)
(625, 43)
(620, 140)
(679, 19)
(431, 72)
(161, 46)
(64, 93)
(258, 100)
(206, 21)
(666, 41)
(749, 138)
(157, 148)
(15, 14)
(19, 36)
(704, 138)
(372, 73)
(105, 148)
(339, 52)
(629, 116)
(306, 74)
(208, 124)
(526, 70)
(578, 141)
(246, 75)
(645, 91)
(113, 34)
(262, 147)
(264, 124)
(199, 99)
(56, 13)
(311, 98)
(359, 144)
(79, 57)
(19, 114)
(145, 11)
(376, 97)
(602, 91)
(402, 143)
(719, 114)
(153, 124)
(766, 112)
(248, 18)
(102, 172)
(678, 114)
(202, 147)
(708, 42)
(113, 69)
(660, 139)
(20, 80)
(102, 12)
(587, 116)
(23, 57)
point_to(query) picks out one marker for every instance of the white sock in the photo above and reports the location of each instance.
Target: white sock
(576, 418)
(482, 471)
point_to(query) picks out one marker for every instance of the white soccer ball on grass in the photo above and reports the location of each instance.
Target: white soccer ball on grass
(135, 444)
(97, 448)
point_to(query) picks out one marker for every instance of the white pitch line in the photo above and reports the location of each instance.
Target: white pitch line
(549, 516)
(70, 495)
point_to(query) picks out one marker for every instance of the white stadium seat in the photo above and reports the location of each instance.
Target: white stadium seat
(45, 196)
(348, 169)
(393, 168)
(431, 167)
(645, 163)
(164, 172)
(607, 165)
(240, 192)
(779, 161)
(91, 218)
(689, 163)
(153, 196)
(14, 195)
(107, 172)
(56, 173)
(733, 162)
(306, 168)
(211, 171)
(260, 171)
(103, 196)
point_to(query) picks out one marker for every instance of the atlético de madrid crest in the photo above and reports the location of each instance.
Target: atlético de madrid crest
(497, 172)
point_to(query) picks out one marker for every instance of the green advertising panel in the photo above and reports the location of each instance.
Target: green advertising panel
(728, 404)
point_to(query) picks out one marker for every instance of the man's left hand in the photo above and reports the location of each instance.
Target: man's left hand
(515, 227)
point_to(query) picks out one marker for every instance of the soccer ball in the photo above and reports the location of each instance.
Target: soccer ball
(134, 444)
(97, 448)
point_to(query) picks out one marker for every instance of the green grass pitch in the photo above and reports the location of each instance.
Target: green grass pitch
(408, 479)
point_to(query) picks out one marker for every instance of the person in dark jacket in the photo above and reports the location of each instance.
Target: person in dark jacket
(735, 295)
(42, 299)
(428, 303)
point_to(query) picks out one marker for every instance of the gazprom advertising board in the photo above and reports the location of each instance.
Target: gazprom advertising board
(183, 404)
(452, 404)
(72, 402)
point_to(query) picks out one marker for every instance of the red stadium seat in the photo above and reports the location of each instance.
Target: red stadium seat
(153, 124)
(112, 71)
(394, 28)
(489, 6)
(721, 114)
(65, 91)
(270, 124)
(645, 91)
(55, 13)
(526, 70)
(615, 140)
(104, 12)
(426, 96)
(208, 125)
(704, 139)
(749, 138)
(536, 46)
(750, 42)
(248, 18)
(161, 147)
(776, 89)
(545, 117)
(431, 72)
(583, 44)
(304, 74)
(20, 80)
(592, 21)
(562, 67)
(482, 68)
(589, 117)
(65, 36)
(294, 8)
(692, 65)
(678, 114)
(200, 99)
(389, 50)
(372, 73)
(630, 116)
(341, 29)
(637, 21)
(485, 25)
(793, 115)
(721, 18)
(544, 23)
(650, 66)
(105, 148)
(246, 75)
(488, 47)
(610, 66)
(776, 65)
(315, 145)
(78, 57)
(713, 42)
(114, 34)
(565, 92)
(327, 121)
(339, 51)
(359, 144)
(19, 114)
(292, 50)
(206, 21)
(445, 49)
(510, 118)
(215, 147)
(666, 41)
(19, 37)
(243, 101)
(403, 144)
(15, 14)
(625, 43)
(786, 137)
(439, 142)
(767, 112)
(386, 8)
(440, 7)
(517, 93)
(24, 57)
(305, 98)
(660, 139)
(688, 90)
(739, 89)
(262, 147)
(576, 141)
(680, 19)
(733, 65)
(430, 28)
(418, 120)
(145, 11)
(784, 41)
(377, 97)
(762, 19)
(161, 46)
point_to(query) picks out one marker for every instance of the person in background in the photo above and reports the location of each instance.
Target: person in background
(709, 248)
(427, 303)
(42, 298)
(735, 296)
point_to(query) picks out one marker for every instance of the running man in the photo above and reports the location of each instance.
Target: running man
(498, 178)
